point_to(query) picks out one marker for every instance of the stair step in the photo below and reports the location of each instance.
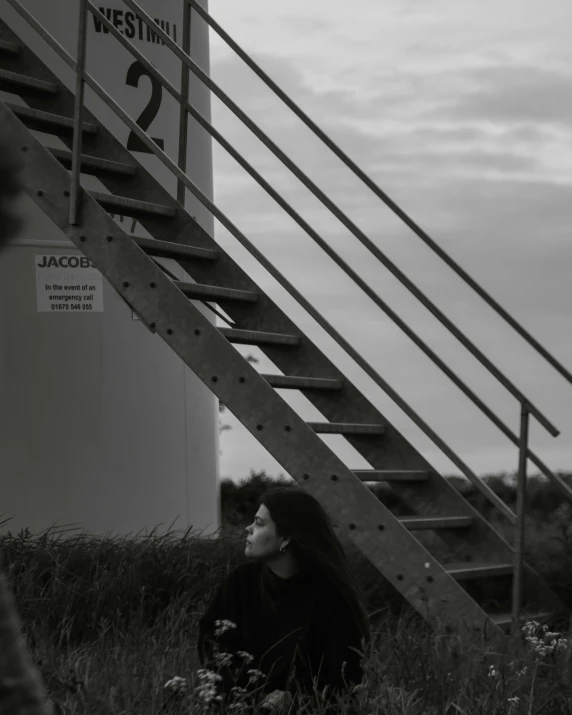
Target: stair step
(388, 475)
(255, 337)
(206, 292)
(471, 570)
(9, 47)
(46, 121)
(504, 620)
(93, 164)
(23, 81)
(415, 523)
(131, 207)
(345, 428)
(293, 382)
(167, 249)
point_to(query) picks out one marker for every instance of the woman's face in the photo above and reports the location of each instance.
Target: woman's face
(261, 537)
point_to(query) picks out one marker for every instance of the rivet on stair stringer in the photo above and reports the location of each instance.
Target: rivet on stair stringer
(40, 193)
(197, 332)
(381, 527)
(429, 579)
(82, 238)
(66, 193)
(241, 379)
(152, 325)
(109, 238)
(334, 477)
(352, 526)
(214, 378)
(169, 331)
(259, 427)
(126, 285)
(288, 428)
(399, 577)
(305, 476)
(24, 148)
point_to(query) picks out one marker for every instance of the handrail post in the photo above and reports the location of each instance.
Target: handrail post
(75, 212)
(184, 117)
(519, 536)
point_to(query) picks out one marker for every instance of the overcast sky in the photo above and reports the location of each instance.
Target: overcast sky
(462, 113)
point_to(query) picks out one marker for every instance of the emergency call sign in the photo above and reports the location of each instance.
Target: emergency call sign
(67, 284)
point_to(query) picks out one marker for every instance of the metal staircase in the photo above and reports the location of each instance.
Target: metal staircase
(441, 592)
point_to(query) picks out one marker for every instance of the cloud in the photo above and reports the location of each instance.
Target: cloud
(516, 93)
(400, 132)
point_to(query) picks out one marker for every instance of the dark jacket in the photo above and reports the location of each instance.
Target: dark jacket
(313, 624)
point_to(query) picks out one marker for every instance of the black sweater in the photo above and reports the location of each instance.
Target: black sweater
(310, 614)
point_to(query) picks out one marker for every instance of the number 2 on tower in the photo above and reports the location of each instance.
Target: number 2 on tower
(134, 74)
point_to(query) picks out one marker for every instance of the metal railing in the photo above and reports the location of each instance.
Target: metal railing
(183, 183)
(519, 532)
(377, 191)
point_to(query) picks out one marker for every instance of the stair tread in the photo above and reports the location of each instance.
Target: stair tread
(390, 471)
(48, 118)
(206, 291)
(348, 427)
(453, 565)
(95, 162)
(294, 381)
(506, 618)
(395, 475)
(122, 202)
(475, 568)
(254, 337)
(436, 521)
(168, 249)
(30, 82)
(10, 47)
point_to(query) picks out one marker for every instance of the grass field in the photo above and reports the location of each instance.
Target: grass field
(112, 627)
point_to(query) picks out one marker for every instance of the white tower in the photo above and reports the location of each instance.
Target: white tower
(101, 425)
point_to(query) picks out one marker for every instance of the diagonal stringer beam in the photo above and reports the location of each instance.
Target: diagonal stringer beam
(361, 517)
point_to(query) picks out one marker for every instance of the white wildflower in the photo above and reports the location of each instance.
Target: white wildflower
(207, 690)
(223, 659)
(254, 675)
(176, 684)
(224, 625)
(243, 654)
(544, 642)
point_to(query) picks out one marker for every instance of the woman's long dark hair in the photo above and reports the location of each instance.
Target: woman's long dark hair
(316, 548)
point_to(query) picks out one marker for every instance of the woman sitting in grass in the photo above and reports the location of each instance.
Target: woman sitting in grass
(295, 607)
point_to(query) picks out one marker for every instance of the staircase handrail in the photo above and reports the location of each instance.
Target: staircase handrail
(378, 191)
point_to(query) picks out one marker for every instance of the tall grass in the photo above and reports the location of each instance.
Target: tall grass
(112, 625)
